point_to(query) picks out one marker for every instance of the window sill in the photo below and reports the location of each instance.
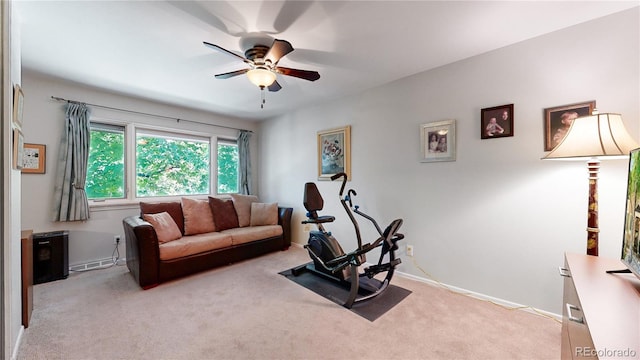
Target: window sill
(113, 205)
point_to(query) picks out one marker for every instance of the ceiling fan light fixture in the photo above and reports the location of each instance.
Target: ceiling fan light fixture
(261, 77)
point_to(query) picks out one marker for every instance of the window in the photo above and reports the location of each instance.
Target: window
(106, 174)
(169, 164)
(157, 163)
(227, 166)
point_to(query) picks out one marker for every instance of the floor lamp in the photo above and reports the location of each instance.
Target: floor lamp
(591, 138)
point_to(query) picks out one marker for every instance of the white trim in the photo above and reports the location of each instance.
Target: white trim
(479, 296)
(16, 348)
(472, 294)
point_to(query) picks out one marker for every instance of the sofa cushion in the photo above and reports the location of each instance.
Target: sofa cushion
(197, 217)
(242, 203)
(194, 244)
(166, 229)
(252, 233)
(224, 213)
(172, 207)
(264, 214)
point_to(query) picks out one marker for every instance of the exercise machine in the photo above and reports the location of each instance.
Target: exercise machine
(331, 262)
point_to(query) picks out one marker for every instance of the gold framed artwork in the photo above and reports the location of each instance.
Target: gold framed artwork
(558, 120)
(34, 159)
(18, 145)
(334, 152)
(18, 105)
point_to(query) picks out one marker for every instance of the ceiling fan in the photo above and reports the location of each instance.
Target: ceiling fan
(263, 65)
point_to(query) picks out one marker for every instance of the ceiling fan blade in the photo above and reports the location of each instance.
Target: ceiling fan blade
(302, 74)
(231, 74)
(279, 49)
(274, 87)
(218, 48)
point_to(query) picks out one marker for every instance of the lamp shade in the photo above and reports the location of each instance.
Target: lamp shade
(261, 77)
(594, 136)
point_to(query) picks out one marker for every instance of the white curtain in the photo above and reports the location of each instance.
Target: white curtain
(244, 162)
(70, 198)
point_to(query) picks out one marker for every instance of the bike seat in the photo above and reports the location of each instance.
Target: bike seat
(319, 219)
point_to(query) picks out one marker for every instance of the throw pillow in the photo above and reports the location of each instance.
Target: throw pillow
(197, 217)
(172, 207)
(224, 213)
(242, 203)
(166, 229)
(264, 214)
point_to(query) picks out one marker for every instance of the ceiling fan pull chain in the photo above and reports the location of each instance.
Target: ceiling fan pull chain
(262, 97)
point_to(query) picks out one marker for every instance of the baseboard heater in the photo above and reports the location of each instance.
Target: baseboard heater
(94, 265)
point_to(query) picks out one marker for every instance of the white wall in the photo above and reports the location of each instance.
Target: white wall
(44, 122)
(497, 220)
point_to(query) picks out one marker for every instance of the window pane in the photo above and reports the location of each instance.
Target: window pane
(169, 164)
(105, 175)
(227, 167)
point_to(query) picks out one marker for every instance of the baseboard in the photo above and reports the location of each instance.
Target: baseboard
(484, 297)
(16, 346)
(473, 294)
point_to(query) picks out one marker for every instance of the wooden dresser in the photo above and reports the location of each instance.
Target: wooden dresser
(27, 275)
(601, 312)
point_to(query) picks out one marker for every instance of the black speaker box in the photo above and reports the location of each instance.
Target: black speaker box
(50, 256)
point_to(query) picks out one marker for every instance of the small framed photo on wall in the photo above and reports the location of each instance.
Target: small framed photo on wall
(18, 149)
(558, 120)
(34, 159)
(18, 105)
(496, 122)
(438, 141)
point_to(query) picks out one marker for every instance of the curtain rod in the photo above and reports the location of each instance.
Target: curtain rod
(148, 114)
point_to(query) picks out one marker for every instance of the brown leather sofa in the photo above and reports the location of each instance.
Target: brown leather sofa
(146, 263)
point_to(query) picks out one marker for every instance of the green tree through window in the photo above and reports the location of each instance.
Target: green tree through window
(105, 173)
(227, 167)
(167, 163)
(171, 165)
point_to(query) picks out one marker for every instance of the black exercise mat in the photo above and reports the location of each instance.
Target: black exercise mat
(370, 309)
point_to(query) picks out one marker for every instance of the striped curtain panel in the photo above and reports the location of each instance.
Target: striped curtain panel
(70, 198)
(244, 162)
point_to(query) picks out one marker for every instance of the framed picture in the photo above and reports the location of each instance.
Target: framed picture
(496, 122)
(18, 105)
(334, 152)
(34, 159)
(18, 144)
(438, 141)
(557, 121)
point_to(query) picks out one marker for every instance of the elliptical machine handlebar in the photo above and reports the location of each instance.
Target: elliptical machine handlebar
(344, 180)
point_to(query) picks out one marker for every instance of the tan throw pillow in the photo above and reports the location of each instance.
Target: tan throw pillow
(264, 214)
(166, 229)
(172, 207)
(224, 213)
(242, 203)
(197, 217)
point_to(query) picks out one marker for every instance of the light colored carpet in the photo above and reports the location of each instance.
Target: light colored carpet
(248, 311)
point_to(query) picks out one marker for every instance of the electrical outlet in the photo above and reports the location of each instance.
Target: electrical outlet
(306, 227)
(116, 239)
(409, 250)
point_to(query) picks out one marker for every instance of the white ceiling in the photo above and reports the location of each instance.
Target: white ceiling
(154, 50)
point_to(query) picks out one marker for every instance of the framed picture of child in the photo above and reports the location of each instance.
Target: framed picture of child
(558, 120)
(496, 122)
(438, 141)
